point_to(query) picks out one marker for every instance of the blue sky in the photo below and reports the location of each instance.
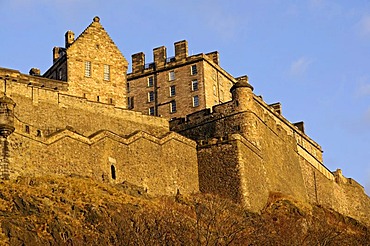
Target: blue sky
(313, 56)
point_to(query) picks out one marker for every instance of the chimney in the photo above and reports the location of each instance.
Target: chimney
(34, 71)
(69, 38)
(160, 56)
(214, 56)
(181, 50)
(277, 107)
(300, 126)
(56, 53)
(138, 62)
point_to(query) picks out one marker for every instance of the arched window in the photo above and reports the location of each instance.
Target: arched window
(113, 171)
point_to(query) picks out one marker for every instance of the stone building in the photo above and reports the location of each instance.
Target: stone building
(222, 139)
(73, 120)
(247, 149)
(175, 86)
(91, 59)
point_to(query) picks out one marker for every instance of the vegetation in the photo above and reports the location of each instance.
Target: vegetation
(81, 211)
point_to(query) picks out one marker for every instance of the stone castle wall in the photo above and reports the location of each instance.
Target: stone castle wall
(265, 153)
(58, 133)
(161, 166)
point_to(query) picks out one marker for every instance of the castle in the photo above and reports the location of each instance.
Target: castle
(178, 124)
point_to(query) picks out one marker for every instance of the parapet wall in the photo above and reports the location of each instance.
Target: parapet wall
(265, 153)
(56, 133)
(165, 165)
(162, 62)
(47, 110)
(226, 119)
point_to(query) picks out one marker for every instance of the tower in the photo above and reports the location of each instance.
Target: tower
(6, 128)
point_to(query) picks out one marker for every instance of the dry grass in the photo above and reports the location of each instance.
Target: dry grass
(75, 210)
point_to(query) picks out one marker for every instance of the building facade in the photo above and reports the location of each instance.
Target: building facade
(175, 86)
(91, 59)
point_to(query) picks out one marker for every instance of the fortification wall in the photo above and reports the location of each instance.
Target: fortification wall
(62, 134)
(267, 158)
(48, 110)
(341, 194)
(159, 165)
(218, 169)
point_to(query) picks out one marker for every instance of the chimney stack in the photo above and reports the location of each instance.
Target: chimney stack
(69, 38)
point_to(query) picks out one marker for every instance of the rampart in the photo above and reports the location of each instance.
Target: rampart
(247, 149)
(56, 133)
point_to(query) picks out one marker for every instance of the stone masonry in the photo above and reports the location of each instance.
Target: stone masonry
(247, 149)
(87, 116)
(191, 83)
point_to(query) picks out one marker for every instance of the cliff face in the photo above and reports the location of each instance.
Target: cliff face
(81, 211)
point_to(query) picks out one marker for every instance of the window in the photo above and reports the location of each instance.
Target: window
(171, 75)
(173, 107)
(113, 171)
(106, 72)
(150, 96)
(194, 85)
(98, 99)
(172, 90)
(150, 81)
(222, 95)
(130, 102)
(38, 133)
(151, 111)
(214, 90)
(194, 70)
(195, 101)
(27, 129)
(87, 69)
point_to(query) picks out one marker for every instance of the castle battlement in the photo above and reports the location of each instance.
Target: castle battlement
(181, 58)
(34, 81)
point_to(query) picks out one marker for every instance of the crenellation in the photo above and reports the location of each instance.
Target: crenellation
(138, 62)
(160, 56)
(214, 56)
(181, 50)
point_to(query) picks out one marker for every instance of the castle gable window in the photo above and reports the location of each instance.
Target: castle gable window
(106, 72)
(150, 81)
(171, 75)
(195, 101)
(194, 85)
(194, 70)
(150, 96)
(172, 91)
(151, 111)
(130, 102)
(173, 107)
(87, 69)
